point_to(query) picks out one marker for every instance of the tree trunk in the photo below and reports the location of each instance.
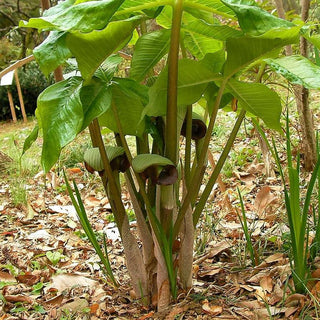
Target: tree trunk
(308, 143)
(308, 140)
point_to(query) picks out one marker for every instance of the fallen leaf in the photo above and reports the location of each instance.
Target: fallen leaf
(212, 310)
(74, 171)
(294, 300)
(66, 281)
(39, 234)
(56, 301)
(147, 316)
(290, 311)
(18, 298)
(263, 199)
(76, 304)
(7, 277)
(94, 308)
(208, 274)
(29, 279)
(266, 283)
(274, 258)
(176, 310)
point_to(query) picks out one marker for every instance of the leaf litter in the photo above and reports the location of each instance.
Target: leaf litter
(48, 269)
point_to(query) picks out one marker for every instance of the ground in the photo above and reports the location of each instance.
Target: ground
(49, 270)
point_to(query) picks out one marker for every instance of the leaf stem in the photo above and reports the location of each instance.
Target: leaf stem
(172, 89)
(198, 166)
(212, 180)
(114, 194)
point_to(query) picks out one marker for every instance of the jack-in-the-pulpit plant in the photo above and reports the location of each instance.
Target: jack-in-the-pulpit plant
(188, 61)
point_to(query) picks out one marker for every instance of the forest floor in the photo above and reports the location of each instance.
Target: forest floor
(49, 270)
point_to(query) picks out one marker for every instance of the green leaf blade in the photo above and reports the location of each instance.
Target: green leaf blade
(93, 48)
(253, 20)
(82, 17)
(259, 100)
(193, 78)
(149, 49)
(52, 52)
(297, 70)
(244, 50)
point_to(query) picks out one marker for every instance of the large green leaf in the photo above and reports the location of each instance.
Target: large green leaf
(83, 17)
(218, 32)
(214, 61)
(199, 45)
(52, 52)
(244, 51)
(96, 99)
(108, 68)
(253, 20)
(297, 70)
(314, 39)
(214, 6)
(201, 38)
(149, 49)
(129, 98)
(66, 108)
(193, 78)
(136, 6)
(91, 49)
(60, 116)
(259, 100)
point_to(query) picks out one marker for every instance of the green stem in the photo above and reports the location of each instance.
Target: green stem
(172, 89)
(198, 166)
(206, 193)
(187, 155)
(114, 194)
(187, 160)
(139, 180)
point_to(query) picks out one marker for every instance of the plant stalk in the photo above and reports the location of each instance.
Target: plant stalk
(198, 166)
(212, 180)
(172, 89)
(118, 210)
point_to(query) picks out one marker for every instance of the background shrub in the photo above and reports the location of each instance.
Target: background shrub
(32, 82)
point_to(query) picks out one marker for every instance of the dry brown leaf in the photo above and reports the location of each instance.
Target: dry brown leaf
(56, 301)
(71, 171)
(266, 283)
(316, 274)
(209, 272)
(175, 311)
(92, 202)
(212, 310)
(18, 298)
(67, 281)
(74, 305)
(248, 288)
(290, 311)
(263, 199)
(277, 257)
(316, 290)
(29, 279)
(147, 316)
(94, 308)
(7, 277)
(294, 300)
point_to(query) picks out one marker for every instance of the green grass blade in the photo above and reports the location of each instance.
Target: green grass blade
(78, 205)
(247, 234)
